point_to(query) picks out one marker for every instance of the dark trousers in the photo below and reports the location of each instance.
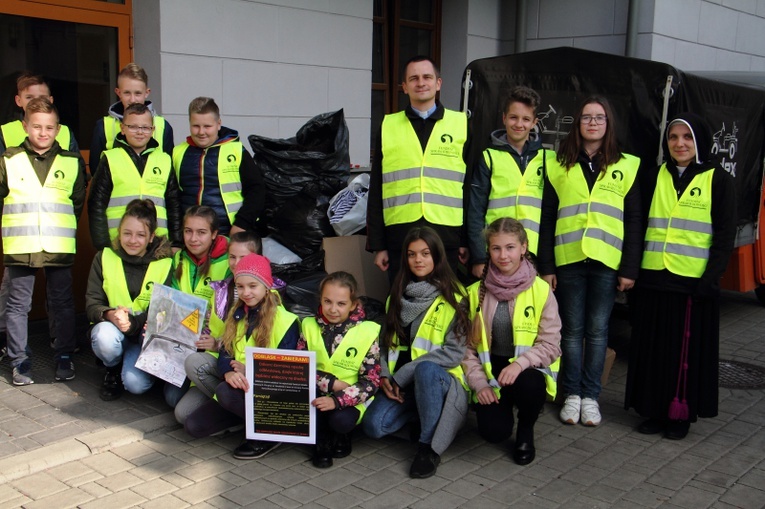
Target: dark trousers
(60, 305)
(528, 393)
(214, 416)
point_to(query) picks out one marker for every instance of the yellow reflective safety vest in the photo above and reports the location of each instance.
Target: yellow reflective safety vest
(112, 129)
(526, 315)
(218, 270)
(229, 179)
(591, 224)
(679, 232)
(429, 337)
(514, 194)
(429, 184)
(283, 320)
(129, 184)
(345, 363)
(116, 287)
(14, 135)
(38, 217)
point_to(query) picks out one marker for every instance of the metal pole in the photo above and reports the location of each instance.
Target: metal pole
(520, 26)
(632, 28)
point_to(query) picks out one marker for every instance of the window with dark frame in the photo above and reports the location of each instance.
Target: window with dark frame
(401, 29)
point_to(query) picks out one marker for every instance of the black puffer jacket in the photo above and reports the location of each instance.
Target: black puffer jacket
(102, 186)
(96, 301)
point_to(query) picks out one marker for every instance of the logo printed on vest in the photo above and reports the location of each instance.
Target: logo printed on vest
(447, 138)
(231, 158)
(351, 352)
(617, 174)
(58, 174)
(207, 281)
(149, 286)
(696, 192)
(529, 312)
(696, 201)
(156, 170)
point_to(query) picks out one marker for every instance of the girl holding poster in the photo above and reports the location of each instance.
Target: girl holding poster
(347, 365)
(118, 297)
(423, 343)
(257, 319)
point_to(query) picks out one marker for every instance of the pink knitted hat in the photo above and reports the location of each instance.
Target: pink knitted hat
(256, 266)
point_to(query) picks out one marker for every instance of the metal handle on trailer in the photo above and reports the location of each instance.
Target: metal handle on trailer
(665, 110)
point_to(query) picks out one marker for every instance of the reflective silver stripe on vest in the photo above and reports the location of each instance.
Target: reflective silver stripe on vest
(567, 238)
(34, 231)
(652, 245)
(658, 222)
(519, 350)
(235, 206)
(530, 224)
(125, 201)
(441, 174)
(690, 251)
(530, 200)
(572, 210)
(26, 208)
(604, 236)
(394, 176)
(498, 203)
(607, 210)
(692, 226)
(406, 199)
(115, 222)
(231, 187)
(423, 344)
(494, 384)
(393, 356)
(446, 201)
(484, 357)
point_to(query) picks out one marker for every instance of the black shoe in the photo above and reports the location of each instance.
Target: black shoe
(652, 426)
(425, 463)
(254, 449)
(343, 445)
(677, 430)
(322, 454)
(64, 369)
(111, 387)
(524, 453)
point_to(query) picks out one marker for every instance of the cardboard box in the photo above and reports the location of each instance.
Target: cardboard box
(348, 254)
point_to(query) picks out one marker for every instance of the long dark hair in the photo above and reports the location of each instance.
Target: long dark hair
(144, 211)
(572, 144)
(442, 278)
(209, 214)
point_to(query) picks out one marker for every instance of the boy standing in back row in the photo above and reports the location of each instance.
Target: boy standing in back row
(42, 178)
(132, 87)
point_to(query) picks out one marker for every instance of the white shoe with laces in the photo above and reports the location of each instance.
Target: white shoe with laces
(570, 412)
(590, 412)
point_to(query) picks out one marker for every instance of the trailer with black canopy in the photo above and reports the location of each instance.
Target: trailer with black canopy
(643, 95)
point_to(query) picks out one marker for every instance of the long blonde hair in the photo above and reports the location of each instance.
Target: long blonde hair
(264, 328)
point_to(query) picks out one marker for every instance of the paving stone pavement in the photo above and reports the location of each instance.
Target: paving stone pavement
(60, 447)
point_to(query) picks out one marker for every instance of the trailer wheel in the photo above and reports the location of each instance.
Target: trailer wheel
(760, 293)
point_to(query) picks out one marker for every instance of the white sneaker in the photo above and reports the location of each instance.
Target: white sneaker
(590, 412)
(569, 414)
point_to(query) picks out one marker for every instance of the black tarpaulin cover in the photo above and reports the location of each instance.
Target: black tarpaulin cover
(564, 77)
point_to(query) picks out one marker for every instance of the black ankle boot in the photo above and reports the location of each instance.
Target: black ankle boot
(111, 388)
(322, 452)
(342, 445)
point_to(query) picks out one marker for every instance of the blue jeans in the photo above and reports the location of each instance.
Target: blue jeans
(424, 399)
(111, 346)
(585, 293)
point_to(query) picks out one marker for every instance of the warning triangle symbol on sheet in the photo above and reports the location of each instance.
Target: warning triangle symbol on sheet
(191, 322)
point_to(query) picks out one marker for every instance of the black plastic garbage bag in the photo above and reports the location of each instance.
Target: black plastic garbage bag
(317, 155)
(305, 291)
(289, 272)
(301, 224)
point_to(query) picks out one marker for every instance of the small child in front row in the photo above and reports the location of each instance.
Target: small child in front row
(202, 366)
(347, 365)
(257, 319)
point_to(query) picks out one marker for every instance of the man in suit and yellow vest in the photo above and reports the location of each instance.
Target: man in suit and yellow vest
(418, 172)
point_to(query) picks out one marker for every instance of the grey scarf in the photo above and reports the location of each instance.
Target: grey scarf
(418, 296)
